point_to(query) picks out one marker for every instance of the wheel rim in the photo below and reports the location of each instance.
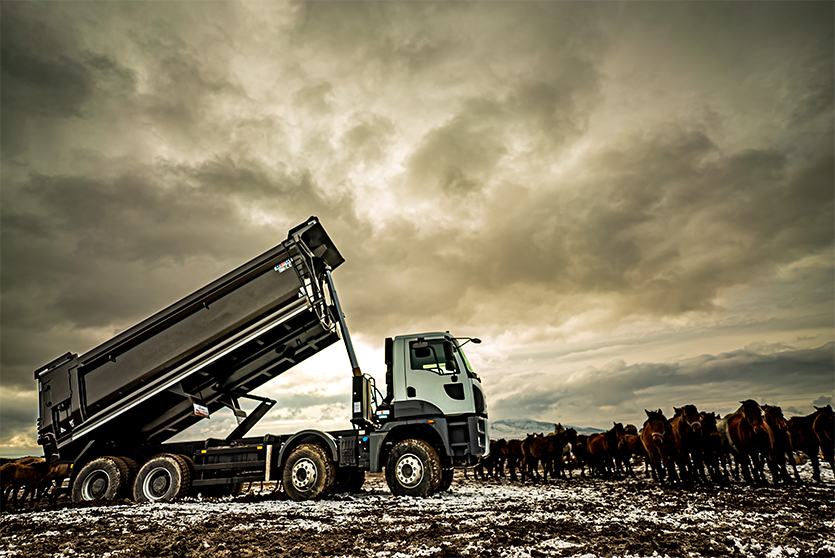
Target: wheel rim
(95, 486)
(157, 483)
(409, 470)
(304, 474)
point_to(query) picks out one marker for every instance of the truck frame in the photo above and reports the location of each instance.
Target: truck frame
(111, 412)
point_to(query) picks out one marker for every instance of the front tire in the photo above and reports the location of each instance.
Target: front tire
(308, 473)
(162, 478)
(104, 478)
(413, 468)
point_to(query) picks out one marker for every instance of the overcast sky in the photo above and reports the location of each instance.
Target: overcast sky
(630, 203)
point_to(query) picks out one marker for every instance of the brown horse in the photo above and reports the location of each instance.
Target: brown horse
(536, 448)
(491, 465)
(564, 441)
(580, 449)
(660, 448)
(599, 459)
(687, 436)
(803, 438)
(712, 452)
(750, 439)
(514, 457)
(611, 443)
(629, 446)
(782, 443)
(823, 426)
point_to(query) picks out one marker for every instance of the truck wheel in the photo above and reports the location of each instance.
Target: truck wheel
(413, 469)
(446, 479)
(132, 468)
(101, 479)
(162, 478)
(308, 473)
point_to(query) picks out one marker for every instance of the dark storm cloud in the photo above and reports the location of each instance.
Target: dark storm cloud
(727, 376)
(662, 223)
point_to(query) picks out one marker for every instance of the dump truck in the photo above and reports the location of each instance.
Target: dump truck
(112, 412)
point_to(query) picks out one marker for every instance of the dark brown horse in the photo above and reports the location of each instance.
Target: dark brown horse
(563, 441)
(712, 453)
(803, 438)
(580, 449)
(599, 459)
(514, 457)
(631, 445)
(823, 426)
(493, 464)
(611, 443)
(657, 439)
(782, 444)
(750, 439)
(687, 436)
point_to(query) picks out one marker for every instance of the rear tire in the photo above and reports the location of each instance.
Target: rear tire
(308, 473)
(413, 468)
(101, 479)
(162, 478)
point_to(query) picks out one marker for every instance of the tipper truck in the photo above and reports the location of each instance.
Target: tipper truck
(112, 411)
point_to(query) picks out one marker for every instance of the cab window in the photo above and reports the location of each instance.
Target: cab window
(428, 355)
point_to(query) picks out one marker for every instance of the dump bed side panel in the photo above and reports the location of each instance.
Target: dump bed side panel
(104, 380)
(223, 340)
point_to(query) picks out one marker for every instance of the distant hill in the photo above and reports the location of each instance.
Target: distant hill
(517, 429)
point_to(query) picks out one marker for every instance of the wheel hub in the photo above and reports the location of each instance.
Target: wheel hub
(304, 474)
(96, 485)
(157, 483)
(409, 470)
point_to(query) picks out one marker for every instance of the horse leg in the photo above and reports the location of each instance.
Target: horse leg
(793, 461)
(829, 456)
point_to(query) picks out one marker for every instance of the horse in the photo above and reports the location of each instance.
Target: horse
(713, 455)
(580, 450)
(823, 426)
(687, 435)
(563, 441)
(611, 444)
(534, 448)
(659, 446)
(491, 465)
(782, 443)
(558, 429)
(750, 439)
(27, 473)
(514, 457)
(631, 445)
(599, 459)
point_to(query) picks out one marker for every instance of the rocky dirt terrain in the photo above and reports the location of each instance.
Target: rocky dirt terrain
(580, 518)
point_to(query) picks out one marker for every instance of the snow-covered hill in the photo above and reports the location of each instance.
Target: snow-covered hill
(517, 429)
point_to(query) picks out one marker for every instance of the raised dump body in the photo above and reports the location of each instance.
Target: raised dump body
(200, 354)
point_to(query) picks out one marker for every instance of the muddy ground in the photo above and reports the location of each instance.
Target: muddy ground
(580, 517)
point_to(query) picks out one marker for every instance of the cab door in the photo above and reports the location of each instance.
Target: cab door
(435, 374)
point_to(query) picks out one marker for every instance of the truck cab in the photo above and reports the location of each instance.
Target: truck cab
(433, 396)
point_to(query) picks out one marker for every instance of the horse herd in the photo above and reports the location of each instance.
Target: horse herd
(692, 447)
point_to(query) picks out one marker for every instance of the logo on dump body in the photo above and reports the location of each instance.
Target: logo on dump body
(284, 266)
